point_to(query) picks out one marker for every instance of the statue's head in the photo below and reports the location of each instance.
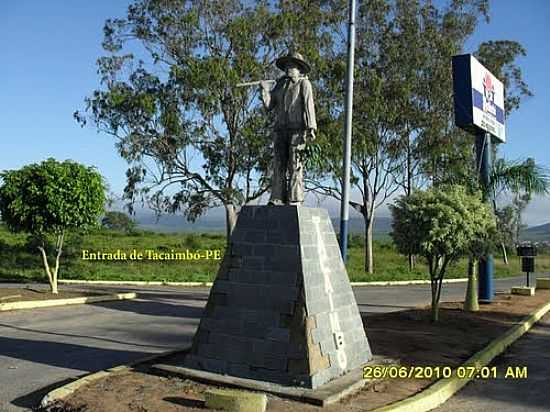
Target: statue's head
(293, 64)
(292, 70)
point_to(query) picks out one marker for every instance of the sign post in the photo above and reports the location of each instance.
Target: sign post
(486, 265)
(479, 109)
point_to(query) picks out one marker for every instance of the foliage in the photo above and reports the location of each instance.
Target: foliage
(17, 262)
(500, 59)
(403, 114)
(522, 180)
(51, 198)
(193, 140)
(118, 221)
(445, 152)
(520, 176)
(441, 225)
(507, 226)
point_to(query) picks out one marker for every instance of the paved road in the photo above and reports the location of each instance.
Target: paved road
(511, 395)
(43, 348)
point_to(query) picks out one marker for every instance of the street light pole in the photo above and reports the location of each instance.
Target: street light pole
(344, 207)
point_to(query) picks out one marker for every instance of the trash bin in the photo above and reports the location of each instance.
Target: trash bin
(527, 254)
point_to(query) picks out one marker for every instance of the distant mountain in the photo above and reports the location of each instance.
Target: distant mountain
(178, 223)
(382, 225)
(216, 223)
(537, 233)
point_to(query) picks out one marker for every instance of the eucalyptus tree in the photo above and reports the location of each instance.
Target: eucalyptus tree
(526, 178)
(192, 139)
(402, 100)
(447, 154)
(425, 38)
(375, 142)
(168, 94)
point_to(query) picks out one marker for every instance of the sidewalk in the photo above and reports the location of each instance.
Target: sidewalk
(511, 395)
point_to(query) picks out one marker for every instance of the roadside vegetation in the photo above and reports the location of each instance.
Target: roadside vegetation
(48, 201)
(18, 261)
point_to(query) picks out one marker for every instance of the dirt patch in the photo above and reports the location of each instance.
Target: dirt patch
(9, 295)
(408, 336)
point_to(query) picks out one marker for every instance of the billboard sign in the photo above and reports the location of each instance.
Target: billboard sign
(478, 97)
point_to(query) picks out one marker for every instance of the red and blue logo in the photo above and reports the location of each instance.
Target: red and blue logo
(486, 101)
(489, 95)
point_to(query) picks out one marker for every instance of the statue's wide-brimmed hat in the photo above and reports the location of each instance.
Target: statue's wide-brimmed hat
(295, 58)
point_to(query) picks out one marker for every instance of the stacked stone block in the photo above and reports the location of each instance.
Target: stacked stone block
(281, 308)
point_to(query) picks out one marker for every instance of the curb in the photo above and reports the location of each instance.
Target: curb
(209, 284)
(440, 391)
(133, 283)
(543, 283)
(34, 304)
(68, 389)
(405, 282)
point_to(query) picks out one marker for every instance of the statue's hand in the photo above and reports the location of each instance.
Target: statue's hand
(265, 96)
(265, 85)
(309, 135)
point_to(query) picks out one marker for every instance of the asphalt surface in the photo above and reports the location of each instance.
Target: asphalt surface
(44, 348)
(532, 351)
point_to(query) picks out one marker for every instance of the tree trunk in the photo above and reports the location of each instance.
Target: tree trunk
(436, 283)
(412, 262)
(369, 258)
(60, 239)
(230, 220)
(470, 301)
(408, 192)
(504, 254)
(51, 279)
(435, 303)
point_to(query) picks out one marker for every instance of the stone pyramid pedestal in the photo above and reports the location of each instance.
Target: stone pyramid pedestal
(281, 309)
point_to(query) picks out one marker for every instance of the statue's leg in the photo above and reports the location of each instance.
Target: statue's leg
(280, 162)
(296, 170)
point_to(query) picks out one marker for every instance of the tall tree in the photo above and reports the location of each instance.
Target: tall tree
(192, 139)
(444, 154)
(374, 144)
(402, 103)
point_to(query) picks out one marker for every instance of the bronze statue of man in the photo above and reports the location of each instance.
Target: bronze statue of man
(291, 102)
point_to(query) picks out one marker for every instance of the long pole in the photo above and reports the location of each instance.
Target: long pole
(344, 207)
(483, 151)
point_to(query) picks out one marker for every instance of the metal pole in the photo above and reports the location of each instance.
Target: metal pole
(483, 146)
(344, 207)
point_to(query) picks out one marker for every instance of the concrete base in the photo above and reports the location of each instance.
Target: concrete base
(322, 396)
(543, 283)
(281, 308)
(523, 290)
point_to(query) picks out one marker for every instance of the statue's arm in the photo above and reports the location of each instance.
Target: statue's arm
(310, 121)
(267, 95)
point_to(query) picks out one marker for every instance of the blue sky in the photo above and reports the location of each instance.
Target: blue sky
(48, 54)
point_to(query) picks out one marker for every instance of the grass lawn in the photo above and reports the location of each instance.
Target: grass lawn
(20, 261)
